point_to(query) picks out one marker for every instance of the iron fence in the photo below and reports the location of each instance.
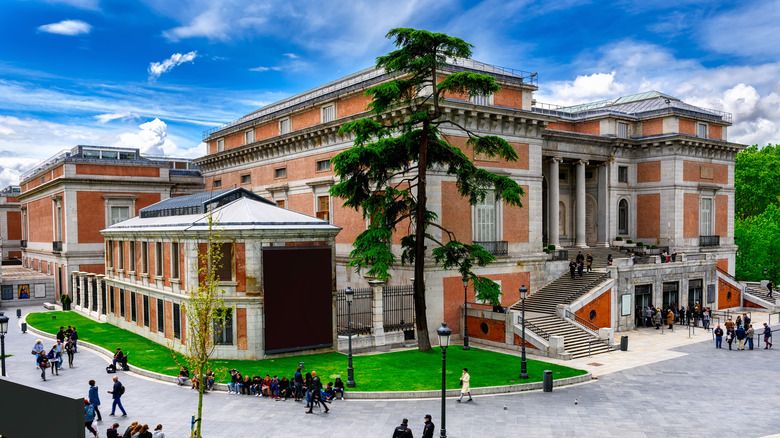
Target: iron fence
(398, 304)
(361, 312)
(709, 240)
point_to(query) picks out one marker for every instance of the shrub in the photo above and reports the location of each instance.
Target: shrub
(547, 250)
(629, 241)
(654, 247)
(640, 244)
(619, 239)
(551, 247)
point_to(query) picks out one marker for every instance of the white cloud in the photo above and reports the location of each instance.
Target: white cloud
(125, 115)
(67, 27)
(263, 69)
(92, 5)
(749, 29)
(152, 139)
(291, 55)
(587, 88)
(158, 68)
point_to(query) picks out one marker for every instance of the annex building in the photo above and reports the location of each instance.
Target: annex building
(645, 170)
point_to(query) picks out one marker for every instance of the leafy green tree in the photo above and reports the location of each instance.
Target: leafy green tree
(384, 174)
(758, 238)
(756, 177)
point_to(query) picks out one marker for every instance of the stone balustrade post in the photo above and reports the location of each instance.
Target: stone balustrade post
(378, 312)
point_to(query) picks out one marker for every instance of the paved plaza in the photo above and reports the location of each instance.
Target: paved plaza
(666, 385)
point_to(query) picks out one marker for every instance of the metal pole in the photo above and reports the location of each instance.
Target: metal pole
(2, 351)
(350, 370)
(523, 368)
(465, 318)
(443, 393)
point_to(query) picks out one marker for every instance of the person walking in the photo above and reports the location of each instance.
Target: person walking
(580, 266)
(94, 399)
(670, 318)
(69, 350)
(465, 388)
(428, 428)
(589, 259)
(43, 363)
(572, 268)
(61, 334)
(769, 288)
(729, 336)
(705, 319)
(767, 336)
(316, 393)
(37, 349)
(718, 337)
(116, 394)
(89, 416)
(657, 319)
(609, 260)
(52, 356)
(749, 333)
(403, 430)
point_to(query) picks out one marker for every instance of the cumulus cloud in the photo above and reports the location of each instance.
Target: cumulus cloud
(151, 139)
(586, 88)
(158, 68)
(67, 27)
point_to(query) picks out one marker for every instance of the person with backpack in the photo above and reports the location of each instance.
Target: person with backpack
(94, 399)
(89, 416)
(116, 394)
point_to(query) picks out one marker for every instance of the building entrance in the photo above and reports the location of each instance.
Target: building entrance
(695, 290)
(671, 295)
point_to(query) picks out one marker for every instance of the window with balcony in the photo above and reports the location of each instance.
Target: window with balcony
(487, 226)
(705, 217)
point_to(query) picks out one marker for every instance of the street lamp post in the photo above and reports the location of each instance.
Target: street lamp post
(523, 369)
(3, 331)
(465, 313)
(444, 333)
(350, 295)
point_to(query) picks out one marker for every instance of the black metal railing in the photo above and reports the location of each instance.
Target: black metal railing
(559, 254)
(398, 308)
(534, 328)
(361, 312)
(582, 321)
(23, 243)
(56, 246)
(495, 247)
(709, 240)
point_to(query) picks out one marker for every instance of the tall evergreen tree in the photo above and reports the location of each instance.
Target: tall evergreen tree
(384, 174)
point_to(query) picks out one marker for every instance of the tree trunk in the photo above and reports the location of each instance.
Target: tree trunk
(423, 341)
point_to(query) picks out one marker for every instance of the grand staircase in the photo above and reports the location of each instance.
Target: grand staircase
(541, 306)
(754, 288)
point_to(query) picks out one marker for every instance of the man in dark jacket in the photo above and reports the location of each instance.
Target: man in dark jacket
(74, 337)
(316, 393)
(428, 429)
(116, 394)
(403, 430)
(718, 337)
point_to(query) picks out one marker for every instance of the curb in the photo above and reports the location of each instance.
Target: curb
(389, 395)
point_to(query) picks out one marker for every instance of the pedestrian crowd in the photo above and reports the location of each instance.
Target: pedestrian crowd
(742, 331)
(53, 358)
(650, 316)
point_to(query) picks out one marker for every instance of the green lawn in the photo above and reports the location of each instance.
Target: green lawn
(409, 370)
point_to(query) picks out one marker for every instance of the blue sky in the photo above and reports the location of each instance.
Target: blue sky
(155, 73)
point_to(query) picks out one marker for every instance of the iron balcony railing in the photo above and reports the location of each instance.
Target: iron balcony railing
(56, 246)
(709, 240)
(497, 247)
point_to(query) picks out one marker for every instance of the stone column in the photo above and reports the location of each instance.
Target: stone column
(88, 287)
(603, 200)
(579, 218)
(553, 201)
(100, 278)
(76, 298)
(378, 312)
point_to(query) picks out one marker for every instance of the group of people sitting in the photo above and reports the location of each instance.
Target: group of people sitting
(282, 388)
(135, 430)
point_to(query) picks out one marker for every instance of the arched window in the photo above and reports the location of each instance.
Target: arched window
(623, 217)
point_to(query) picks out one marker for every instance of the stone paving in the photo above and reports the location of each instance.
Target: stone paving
(665, 385)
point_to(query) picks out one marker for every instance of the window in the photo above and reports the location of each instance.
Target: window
(705, 217)
(121, 253)
(280, 203)
(133, 307)
(323, 207)
(622, 130)
(109, 155)
(284, 126)
(176, 321)
(280, 172)
(58, 219)
(111, 300)
(323, 165)
(481, 100)
(623, 217)
(144, 257)
(132, 256)
(246, 179)
(701, 130)
(43, 179)
(127, 155)
(158, 259)
(160, 316)
(217, 183)
(220, 145)
(146, 310)
(110, 253)
(119, 214)
(223, 327)
(249, 136)
(623, 174)
(328, 113)
(224, 271)
(91, 154)
(486, 227)
(175, 260)
(122, 303)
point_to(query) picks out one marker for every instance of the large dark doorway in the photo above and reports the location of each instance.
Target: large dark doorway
(671, 294)
(695, 290)
(644, 295)
(297, 298)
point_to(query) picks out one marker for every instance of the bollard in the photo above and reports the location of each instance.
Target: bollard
(689, 331)
(24, 327)
(547, 381)
(18, 313)
(624, 343)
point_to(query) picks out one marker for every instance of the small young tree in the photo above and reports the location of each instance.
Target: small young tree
(385, 173)
(206, 317)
